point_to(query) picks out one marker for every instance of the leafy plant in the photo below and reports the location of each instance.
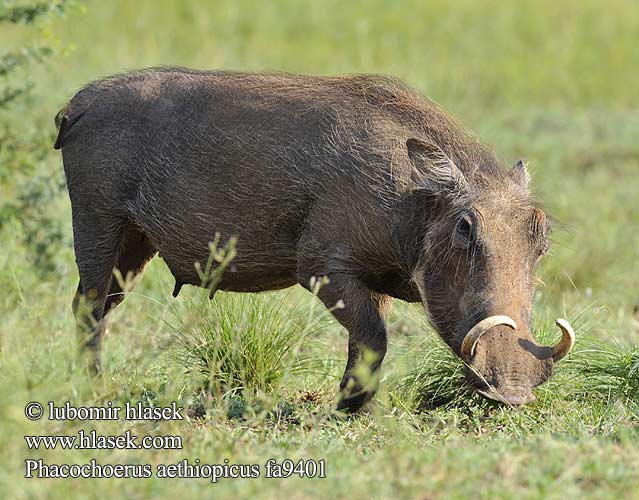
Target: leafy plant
(32, 190)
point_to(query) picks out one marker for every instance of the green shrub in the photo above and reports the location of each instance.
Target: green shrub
(30, 188)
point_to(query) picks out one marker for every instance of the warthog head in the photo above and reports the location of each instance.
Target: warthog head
(476, 274)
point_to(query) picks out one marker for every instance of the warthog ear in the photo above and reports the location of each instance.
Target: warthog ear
(434, 170)
(519, 174)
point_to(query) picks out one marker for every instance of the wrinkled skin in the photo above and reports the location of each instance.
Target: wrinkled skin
(491, 255)
(357, 178)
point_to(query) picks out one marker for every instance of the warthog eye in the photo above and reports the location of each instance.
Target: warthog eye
(463, 236)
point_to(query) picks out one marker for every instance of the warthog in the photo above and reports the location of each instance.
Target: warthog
(357, 178)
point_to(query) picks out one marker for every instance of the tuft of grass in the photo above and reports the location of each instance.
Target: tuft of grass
(605, 368)
(243, 342)
(599, 368)
(438, 379)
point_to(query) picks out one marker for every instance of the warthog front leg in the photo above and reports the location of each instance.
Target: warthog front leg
(358, 310)
(366, 349)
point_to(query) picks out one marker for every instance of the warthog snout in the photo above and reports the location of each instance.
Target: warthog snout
(505, 363)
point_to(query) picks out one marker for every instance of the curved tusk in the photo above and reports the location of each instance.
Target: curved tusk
(564, 346)
(471, 338)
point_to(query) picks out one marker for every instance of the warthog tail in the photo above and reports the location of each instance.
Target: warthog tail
(63, 120)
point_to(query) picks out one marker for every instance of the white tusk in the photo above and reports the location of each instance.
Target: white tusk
(564, 346)
(471, 338)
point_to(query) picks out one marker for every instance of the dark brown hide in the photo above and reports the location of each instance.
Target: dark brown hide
(358, 178)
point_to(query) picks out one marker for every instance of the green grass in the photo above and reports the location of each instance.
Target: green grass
(551, 82)
(243, 343)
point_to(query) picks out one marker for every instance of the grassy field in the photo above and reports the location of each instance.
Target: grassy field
(552, 82)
